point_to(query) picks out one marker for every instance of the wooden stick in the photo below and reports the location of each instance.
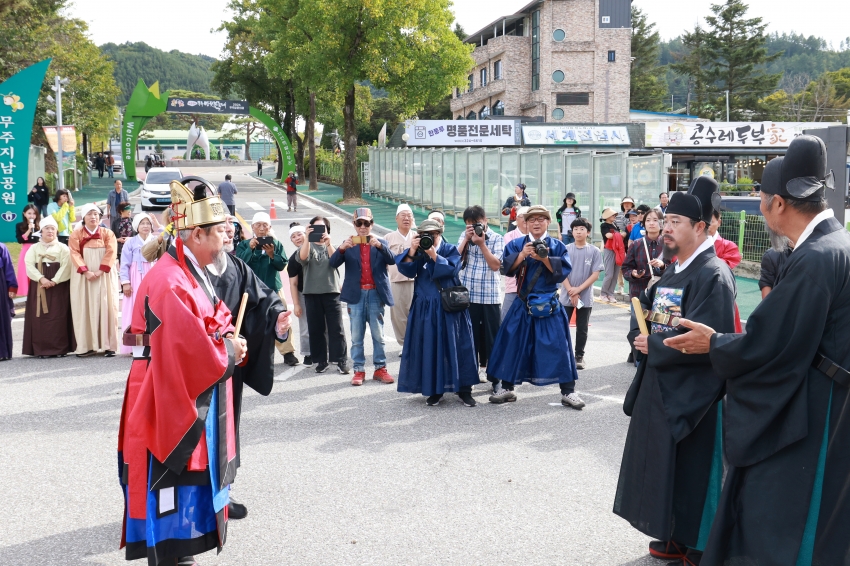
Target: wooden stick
(241, 315)
(639, 315)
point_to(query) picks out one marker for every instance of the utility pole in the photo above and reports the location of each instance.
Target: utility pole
(57, 88)
(727, 105)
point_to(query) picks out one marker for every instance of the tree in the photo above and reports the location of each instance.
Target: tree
(648, 86)
(406, 47)
(693, 65)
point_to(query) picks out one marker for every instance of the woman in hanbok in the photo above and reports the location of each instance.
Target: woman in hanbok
(26, 234)
(133, 269)
(48, 326)
(441, 356)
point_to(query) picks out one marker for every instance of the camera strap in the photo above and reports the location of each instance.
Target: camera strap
(523, 292)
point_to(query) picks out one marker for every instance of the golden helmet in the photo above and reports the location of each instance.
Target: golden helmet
(199, 206)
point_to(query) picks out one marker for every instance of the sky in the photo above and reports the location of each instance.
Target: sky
(186, 24)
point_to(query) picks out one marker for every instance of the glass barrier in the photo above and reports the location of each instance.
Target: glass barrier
(608, 185)
(646, 179)
(552, 165)
(448, 197)
(461, 180)
(530, 174)
(578, 182)
(439, 181)
(491, 193)
(476, 178)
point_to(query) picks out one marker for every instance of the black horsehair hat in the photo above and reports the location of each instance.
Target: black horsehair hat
(699, 202)
(802, 173)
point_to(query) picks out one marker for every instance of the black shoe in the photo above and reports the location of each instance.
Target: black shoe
(344, 367)
(631, 359)
(308, 360)
(466, 398)
(236, 511)
(322, 367)
(433, 400)
(290, 359)
(109, 354)
(88, 354)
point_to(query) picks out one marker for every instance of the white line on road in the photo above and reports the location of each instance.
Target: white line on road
(254, 206)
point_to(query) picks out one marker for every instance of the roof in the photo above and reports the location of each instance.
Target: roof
(659, 115)
(473, 37)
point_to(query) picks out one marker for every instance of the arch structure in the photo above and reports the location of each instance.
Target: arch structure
(147, 102)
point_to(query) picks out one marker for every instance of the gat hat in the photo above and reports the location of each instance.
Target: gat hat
(802, 173)
(403, 208)
(538, 210)
(699, 202)
(261, 217)
(522, 211)
(608, 213)
(296, 229)
(196, 207)
(86, 208)
(138, 220)
(430, 225)
(47, 221)
(362, 214)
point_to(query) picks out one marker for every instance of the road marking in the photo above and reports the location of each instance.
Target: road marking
(254, 206)
(605, 397)
(289, 372)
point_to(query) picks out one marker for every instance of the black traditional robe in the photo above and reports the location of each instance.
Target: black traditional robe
(258, 328)
(786, 499)
(671, 462)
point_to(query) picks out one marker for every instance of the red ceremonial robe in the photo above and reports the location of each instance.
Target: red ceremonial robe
(731, 255)
(188, 356)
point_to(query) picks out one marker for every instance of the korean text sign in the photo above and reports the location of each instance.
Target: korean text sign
(575, 135)
(432, 133)
(726, 134)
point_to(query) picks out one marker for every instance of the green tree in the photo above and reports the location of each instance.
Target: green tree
(693, 65)
(648, 85)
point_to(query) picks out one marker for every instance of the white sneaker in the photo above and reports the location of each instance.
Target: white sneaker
(572, 400)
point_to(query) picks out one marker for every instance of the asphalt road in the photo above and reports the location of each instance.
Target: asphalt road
(334, 474)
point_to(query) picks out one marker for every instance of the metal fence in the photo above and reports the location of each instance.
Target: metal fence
(746, 230)
(452, 179)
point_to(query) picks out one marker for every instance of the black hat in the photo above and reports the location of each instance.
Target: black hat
(802, 173)
(699, 202)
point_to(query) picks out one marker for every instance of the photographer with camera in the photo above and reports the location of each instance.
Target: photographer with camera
(510, 282)
(266, 257)
(533, 343)
(481, 257)
(366, 289)
(438, 324)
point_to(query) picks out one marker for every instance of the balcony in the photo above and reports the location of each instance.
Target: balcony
(480, 93)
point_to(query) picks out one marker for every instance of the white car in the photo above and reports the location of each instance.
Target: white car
(118, 167)
(155, 190)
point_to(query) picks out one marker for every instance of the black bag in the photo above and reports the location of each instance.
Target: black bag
(453, 299)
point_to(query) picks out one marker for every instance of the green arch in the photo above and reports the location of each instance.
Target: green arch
(146, 103)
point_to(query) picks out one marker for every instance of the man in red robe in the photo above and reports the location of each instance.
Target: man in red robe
(727, 251)
(176, 445)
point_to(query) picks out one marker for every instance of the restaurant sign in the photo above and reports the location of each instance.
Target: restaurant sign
(726, 134)
(575, 135)
(430, 133)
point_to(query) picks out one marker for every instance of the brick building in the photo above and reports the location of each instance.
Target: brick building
(554, 60)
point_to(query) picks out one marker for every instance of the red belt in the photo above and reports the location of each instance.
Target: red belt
(367, 287)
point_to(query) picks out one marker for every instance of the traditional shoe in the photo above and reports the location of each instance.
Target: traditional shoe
(358, 378)
(466, 398)
(667, 550)
(88, 354)
(382, 375)
(236, 510)
(109, 354)
(434, 400)
(692, 558)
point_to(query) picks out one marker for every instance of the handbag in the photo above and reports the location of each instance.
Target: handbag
(539, 305)
(453, 299)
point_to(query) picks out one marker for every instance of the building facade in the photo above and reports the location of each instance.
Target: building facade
(555, 61)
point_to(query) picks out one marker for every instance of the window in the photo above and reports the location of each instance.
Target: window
(470, 83)
(471, 116)
(457, 93)
(612, 56)
(535, 50)
(485, 113)
(559, 35)
(483, 77)
(606, 19)
(572, 99)
(497, 70)
(558, 114)
(558, 76)
(459, 117)
(499, 108)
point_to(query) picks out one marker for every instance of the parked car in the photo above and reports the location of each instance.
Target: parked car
(118, 167)
(750, 205)
(156, 192)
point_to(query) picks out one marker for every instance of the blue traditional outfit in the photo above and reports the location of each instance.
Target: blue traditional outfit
(8, 282)
(537, 350)
(443, 358)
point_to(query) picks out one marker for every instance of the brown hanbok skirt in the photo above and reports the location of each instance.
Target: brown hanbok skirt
(51, 333)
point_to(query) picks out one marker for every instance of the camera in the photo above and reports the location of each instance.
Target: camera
(479, 229)
(540, 248)
(426, 242)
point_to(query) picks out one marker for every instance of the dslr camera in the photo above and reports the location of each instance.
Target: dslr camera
(540, 248)
(426, 242)
(479, 229)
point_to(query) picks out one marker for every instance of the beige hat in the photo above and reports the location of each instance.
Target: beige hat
(522, 211)
(608, 213)
(538, 210)
(430, 225)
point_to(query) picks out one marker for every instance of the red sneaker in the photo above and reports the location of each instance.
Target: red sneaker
(383, 376)
(358, 378)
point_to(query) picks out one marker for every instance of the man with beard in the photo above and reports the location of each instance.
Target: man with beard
(785, 500)
(672, 466)
(266, 320)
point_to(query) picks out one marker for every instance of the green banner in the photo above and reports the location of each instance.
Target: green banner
(19, 96)
(286, 155)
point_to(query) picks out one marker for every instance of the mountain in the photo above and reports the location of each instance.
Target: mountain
(173, 69)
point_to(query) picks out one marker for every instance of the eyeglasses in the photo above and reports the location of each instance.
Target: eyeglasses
(362, 223)
(536, 219)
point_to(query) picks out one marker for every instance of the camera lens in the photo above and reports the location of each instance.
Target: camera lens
(426, 242)
(540, 248)
(478, 228)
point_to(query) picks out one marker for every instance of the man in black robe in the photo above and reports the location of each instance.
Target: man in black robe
(266, 320)
(785, 499)
(671, 472)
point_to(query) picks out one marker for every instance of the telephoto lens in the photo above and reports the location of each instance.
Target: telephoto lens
(426, 242)
(540, 248)
(478, 228)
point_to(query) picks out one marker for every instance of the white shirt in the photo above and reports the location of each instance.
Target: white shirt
(680, 267)
(826, 214)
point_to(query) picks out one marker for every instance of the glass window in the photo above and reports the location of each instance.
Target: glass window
(471, 116)
(558, 76)
(559, 35)
(499, 108)
(612, 56)
(535, 50)
(497, 70)
(558, 114)
(162, 178)
(471, 77)
(485, 112)
(459, 117)
(483, 77)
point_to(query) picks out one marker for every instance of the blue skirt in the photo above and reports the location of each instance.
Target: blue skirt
(537, 350)
(439, 353)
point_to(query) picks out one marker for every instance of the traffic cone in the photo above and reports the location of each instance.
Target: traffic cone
(573, 319)
(273, 211)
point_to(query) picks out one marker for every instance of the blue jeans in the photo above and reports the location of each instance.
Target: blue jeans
(111, 171)
(370, 309)
(567, 239)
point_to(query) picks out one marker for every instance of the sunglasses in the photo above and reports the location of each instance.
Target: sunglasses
(361, 223)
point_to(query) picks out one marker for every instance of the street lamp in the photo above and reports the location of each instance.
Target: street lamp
(58, 82)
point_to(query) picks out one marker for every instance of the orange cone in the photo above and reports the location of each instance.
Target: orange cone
(573, 319)
(273, 211)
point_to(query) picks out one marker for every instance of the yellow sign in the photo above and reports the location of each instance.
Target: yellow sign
(69, 138)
